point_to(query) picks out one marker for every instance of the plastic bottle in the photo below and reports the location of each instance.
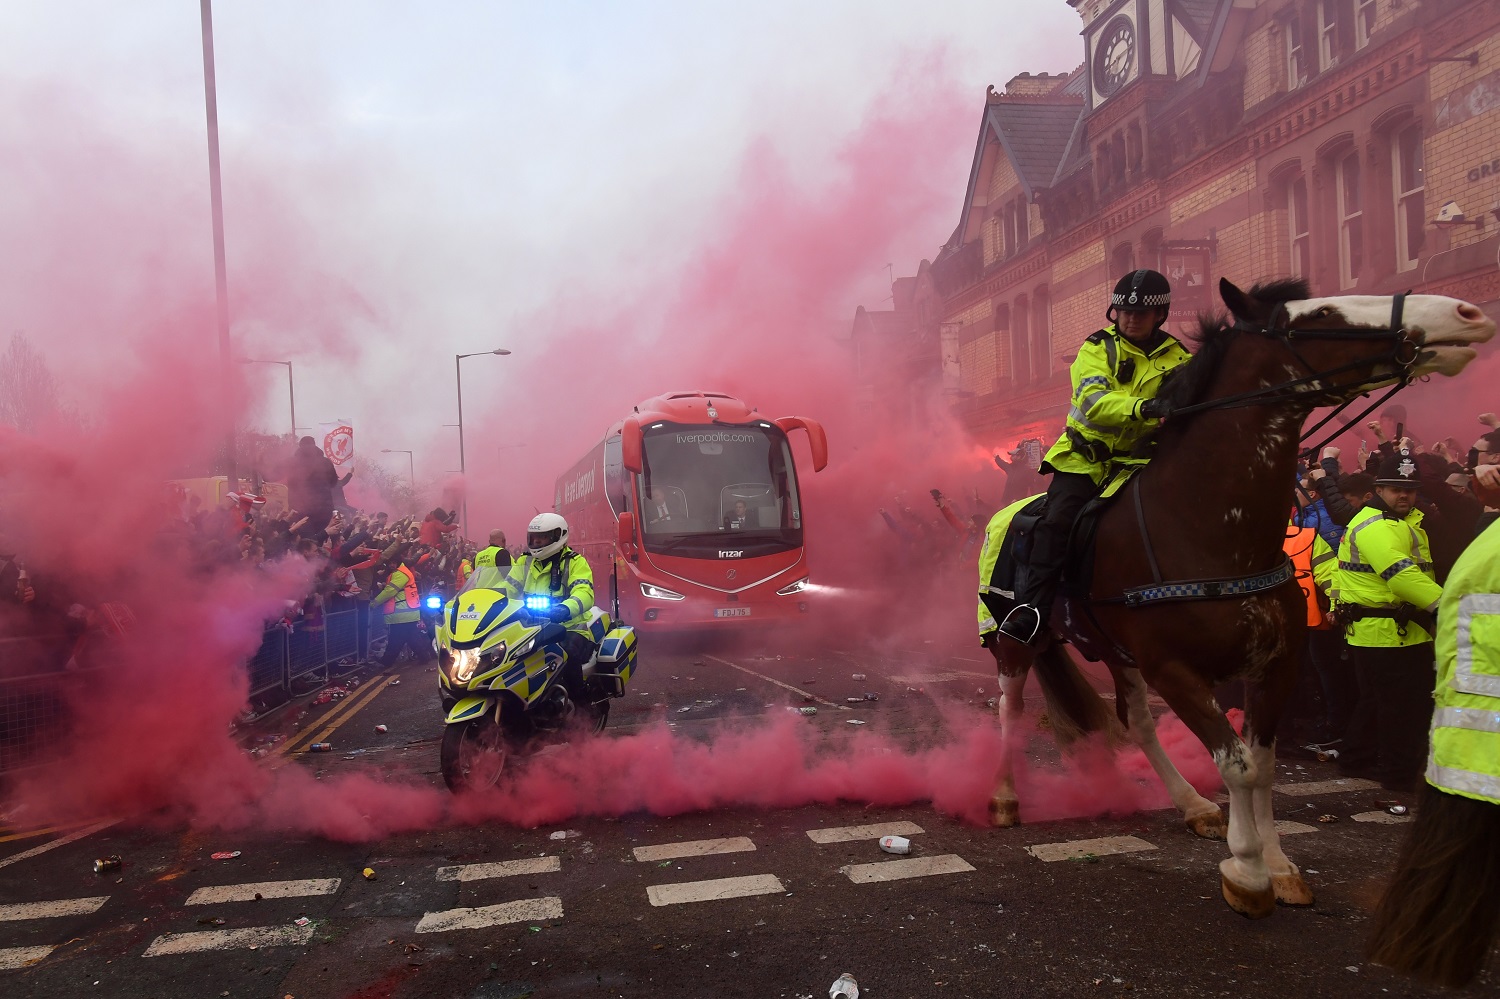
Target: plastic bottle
(845, 988)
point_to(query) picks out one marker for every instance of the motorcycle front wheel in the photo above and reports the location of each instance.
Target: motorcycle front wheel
(474, 754)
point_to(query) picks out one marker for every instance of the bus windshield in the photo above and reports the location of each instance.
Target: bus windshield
(705, 488)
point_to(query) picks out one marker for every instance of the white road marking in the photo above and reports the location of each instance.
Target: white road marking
(37, 851)
(950, 677)
(523, 911)
(250, 936)
(718, 888)
(1328, 786)
(215, 894)
(694, 848)
(848, 834)
(1381, 818)
(912, 867)
(1286, 827)
(1080, 848)
(503, 869)
(47, 910)
(785, 686)
(12, 958)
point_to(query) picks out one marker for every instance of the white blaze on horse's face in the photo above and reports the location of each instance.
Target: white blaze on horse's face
(1443, 326)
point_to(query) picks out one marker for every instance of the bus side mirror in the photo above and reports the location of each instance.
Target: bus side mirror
(626, 534)
(630, 445)
(817, 440)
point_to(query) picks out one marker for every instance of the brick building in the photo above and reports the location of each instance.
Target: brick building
(1352, 142)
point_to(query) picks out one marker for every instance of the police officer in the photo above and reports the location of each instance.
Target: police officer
(1387, 595)
(1115, 380)
(496, 554)
(553, 570)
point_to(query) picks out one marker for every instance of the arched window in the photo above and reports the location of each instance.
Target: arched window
(1121, 261)
(1041, 334)
(1020, 340)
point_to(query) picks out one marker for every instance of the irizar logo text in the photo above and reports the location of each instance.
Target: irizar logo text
(731, 554)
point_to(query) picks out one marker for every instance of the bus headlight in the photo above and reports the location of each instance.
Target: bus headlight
(659, 592)
(791, 588)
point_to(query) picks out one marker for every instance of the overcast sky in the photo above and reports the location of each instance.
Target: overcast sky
(405, 181)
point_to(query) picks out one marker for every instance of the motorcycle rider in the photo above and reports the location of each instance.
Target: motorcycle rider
(552, 569)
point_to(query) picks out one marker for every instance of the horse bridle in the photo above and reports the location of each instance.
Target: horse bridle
(1403, 353)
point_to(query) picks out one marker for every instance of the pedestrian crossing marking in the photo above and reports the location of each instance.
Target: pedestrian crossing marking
(911, 867)
(12, 958)
(523, 911)
(1286, 827)
(715, 889)
(1328, 786)
(502, 869)
(1381, 818)
(216, 894)
(48, 910)
(250, 936)
(694, 848)
(1079, 848)
(848, 834)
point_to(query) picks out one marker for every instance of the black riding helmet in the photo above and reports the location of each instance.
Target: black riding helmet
(1138, 291)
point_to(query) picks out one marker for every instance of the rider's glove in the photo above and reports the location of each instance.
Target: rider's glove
(558, 613)
(1155, 409)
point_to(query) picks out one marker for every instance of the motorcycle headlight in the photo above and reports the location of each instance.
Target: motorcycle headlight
(524, 649)
(465, 662)
(659, 592)
(791, 588)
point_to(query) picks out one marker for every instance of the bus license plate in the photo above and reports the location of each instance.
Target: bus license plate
(732, 612)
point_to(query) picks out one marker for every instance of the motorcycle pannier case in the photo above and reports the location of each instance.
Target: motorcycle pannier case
(617, 658)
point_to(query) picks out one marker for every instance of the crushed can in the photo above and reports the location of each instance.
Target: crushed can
(854, 700)
(871, 696)
(859, 676)
(107, 865)
(1397, 809)
(895, 844)
(369, 873)
(381, 729)
(320, 747)
(226, 855)
(845, 988)
(807, 711)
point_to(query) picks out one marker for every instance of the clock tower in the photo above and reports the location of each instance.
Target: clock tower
(1129, 39)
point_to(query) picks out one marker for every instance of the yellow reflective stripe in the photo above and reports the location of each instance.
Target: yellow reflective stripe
(1466, 676)
(1354, 535)
(1318, 560)
(1075, 414)
(1466, 781)
(995, 589)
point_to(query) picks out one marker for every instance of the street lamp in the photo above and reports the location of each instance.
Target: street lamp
(292, 392)
(411, 469)
(458, 376)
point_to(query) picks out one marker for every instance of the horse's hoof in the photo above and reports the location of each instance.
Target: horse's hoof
(1004, 814)
(1209, 825)
(1291, 889)
(1253, 903)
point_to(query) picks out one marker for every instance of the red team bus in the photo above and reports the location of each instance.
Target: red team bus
(689, 514)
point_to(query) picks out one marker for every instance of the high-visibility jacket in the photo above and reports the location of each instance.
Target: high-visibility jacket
(1465, 755)
(565, 577)
(464, 568)
(1325, 562)
(487, 556)
(989, 554)
(1385, 561)
(401, 602)
(1299, 547)
(1112, 377)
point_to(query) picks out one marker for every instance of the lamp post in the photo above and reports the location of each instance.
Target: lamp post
(411, 469)
(291, 391)
(216, 209)
(458, 377)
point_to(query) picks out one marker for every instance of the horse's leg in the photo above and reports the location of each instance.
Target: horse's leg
(1243, 877)
(1203, 817)
(1263, 711)
(1011, 665)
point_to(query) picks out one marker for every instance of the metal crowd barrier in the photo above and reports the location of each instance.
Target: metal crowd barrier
(304, 653)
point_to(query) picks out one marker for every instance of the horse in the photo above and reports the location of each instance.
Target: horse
(1191, 587)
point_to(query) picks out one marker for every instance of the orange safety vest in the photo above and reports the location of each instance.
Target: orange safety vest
(413, 599)
(1299, 545)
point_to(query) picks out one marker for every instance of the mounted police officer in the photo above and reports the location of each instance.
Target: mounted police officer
(1115, 380)
(553, 570)
(1387, 594)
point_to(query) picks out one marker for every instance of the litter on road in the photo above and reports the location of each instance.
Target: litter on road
(226, 854)
(895, 844)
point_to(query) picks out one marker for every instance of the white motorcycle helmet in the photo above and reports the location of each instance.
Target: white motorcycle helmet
(546, 535)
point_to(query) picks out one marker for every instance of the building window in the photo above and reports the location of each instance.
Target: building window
(1407, 173)
(1350, 218)
(1364, 22)
(1020, 341)
(1296, 62)
(1122, 261)
(1297, 225)
(1023, 224)
(1041, 334)
(1328, 34)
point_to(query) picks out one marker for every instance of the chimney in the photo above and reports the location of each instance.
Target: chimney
(1034, 84)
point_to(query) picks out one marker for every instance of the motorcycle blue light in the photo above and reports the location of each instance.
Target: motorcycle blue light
(434, 602)
(538, 603)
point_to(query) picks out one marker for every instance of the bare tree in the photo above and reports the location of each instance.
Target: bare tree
(394, 489)
(28, 392)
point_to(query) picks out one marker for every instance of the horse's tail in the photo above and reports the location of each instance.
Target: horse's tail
(1073, 706)
(1441, 911)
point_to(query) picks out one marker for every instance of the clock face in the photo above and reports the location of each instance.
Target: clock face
(1114, 55)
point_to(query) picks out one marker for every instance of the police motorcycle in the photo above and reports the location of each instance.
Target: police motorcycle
(500, 679)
